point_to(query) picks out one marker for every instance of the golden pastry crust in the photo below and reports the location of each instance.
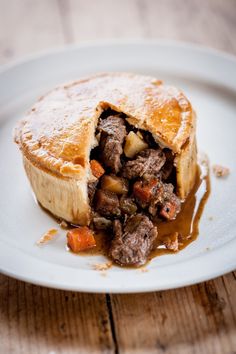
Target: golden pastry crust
(58, 133)
(64, 199)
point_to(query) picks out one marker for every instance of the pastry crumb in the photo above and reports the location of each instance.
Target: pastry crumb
(48, 236)
(171, 242)
(220, 171)
(143, 270)
(156, 82)
(203, 159)
(210, 218)
(102, 266)
(208, 249)
(63, 224)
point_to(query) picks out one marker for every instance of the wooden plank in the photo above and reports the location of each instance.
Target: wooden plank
(28, 26)
(41, 320)
(197, 319)
(210, 22)
(103, 19)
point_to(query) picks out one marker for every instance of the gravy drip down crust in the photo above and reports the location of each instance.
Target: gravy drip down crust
(116, 152)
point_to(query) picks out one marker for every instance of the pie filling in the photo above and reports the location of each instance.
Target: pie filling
(133, 187)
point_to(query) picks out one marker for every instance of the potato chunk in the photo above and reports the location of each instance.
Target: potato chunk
(134, 144)
(114, 184)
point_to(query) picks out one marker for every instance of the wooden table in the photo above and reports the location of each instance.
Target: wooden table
(196, 319)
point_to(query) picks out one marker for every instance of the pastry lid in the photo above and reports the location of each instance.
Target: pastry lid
(57, 134)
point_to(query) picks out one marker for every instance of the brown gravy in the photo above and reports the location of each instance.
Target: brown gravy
(186, 223)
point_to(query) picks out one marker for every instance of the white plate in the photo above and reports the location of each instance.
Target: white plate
(209, 80)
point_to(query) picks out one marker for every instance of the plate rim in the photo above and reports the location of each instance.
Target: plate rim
(110, 42)
(102, 287)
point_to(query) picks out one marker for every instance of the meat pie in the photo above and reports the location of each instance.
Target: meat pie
(115, 148)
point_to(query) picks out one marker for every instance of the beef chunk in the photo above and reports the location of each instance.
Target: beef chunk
(91, 190)
(128, 205)
(111, 152)
(101, 223)
(157, 195)
(170, 207)
(113, 126)
(169, 203)
(133, 242)
(107, 203)
(164, 192)
(168, 166)
(113, 132)
(148, 163)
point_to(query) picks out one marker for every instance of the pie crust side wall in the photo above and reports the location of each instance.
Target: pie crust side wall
(186, 169)
(64, 198)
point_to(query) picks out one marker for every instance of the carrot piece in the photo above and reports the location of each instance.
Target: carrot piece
(97, 169)
(144, 192)
(80, 239)
(168, 211)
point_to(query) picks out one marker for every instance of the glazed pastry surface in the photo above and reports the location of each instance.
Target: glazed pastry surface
(58, 134)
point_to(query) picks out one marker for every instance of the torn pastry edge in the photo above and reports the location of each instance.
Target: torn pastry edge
(185, 162)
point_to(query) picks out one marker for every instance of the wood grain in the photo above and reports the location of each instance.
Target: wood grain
(41, 320)
(196, 319)
(210, 22)
(28, 26)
